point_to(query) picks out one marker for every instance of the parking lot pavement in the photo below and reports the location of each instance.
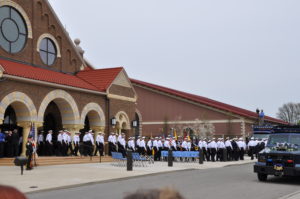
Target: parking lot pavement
(61, 176)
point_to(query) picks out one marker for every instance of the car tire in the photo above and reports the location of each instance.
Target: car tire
(262, 177)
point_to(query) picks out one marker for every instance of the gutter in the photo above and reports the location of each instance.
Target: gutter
(52, 84)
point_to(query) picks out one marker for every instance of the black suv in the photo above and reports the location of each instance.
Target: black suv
(281, 157)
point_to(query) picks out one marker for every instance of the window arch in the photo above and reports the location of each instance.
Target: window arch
(48, 51)
(13, 30)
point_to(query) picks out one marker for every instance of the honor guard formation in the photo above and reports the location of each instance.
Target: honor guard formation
(89, 144)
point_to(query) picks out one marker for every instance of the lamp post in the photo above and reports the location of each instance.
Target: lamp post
(113, 121)
(135, 126)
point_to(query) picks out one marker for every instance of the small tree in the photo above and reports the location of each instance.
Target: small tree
(203, 128)
(290, 113)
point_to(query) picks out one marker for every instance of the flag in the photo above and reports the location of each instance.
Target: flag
(175, 134)
(32, 131)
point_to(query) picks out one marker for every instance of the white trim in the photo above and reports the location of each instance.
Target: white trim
(120, 77)
(118, 97)
(194, 122)
(52, 84)
(1, 71)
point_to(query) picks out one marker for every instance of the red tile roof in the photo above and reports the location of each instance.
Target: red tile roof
(206, 101)
(100, 78)
(35, 73)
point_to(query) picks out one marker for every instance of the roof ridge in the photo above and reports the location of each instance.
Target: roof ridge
(204, 100)
(100, 69)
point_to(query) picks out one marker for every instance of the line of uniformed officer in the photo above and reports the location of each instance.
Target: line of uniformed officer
(70, 145)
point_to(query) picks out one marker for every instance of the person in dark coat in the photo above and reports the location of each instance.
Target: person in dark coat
(8, 144)
(29, 152)
(2, 143)
(235, 149)
(15, 142)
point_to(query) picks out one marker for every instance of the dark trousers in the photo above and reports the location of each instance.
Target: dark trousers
(221, 154)
(204, 153)
(40, 149)
(76, 148)
(208, 152)
(49, 149)
(242, 151)
(29, 158)
(8, 149)
(15, 149)
(99, 147)
(149, 151)
(1, 149)
(229, 153)
(251, 152)
(213, 152)
(89, 148)
(70, 147)
(236, 154)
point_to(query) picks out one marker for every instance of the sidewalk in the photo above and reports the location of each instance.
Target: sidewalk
(295, 195)
(61, 176)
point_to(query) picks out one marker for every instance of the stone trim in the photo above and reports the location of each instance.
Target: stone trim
(22, 114)
(47, 35)
(122, 118)
(100, 121)
(118, 97)
(22, 12)
(65, 102)
(140, 121)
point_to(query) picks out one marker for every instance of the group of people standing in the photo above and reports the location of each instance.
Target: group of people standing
(66, 144)
(213, 149)
(88, 145)
(10, 143)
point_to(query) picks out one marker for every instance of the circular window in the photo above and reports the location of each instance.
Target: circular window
(48, 51)
(13, 31)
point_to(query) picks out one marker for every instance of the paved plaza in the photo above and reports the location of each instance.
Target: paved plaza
(230, 182)
(61, 176)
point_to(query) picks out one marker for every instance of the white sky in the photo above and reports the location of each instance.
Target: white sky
(241, 52)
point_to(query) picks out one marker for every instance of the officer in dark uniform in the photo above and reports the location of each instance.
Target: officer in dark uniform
(15, 142)
(29, 151)
(2, 143)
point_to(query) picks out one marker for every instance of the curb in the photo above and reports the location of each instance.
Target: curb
(103, 181)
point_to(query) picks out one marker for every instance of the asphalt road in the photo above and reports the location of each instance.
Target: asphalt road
(233, 182)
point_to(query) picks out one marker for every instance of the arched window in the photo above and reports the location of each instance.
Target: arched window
(48, 51)
(13, 30)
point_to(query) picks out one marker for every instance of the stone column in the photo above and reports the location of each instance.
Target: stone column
(26, 130)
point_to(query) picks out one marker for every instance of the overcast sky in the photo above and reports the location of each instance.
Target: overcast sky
(244, 53)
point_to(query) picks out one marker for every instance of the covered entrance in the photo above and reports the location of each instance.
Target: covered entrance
(17, 111)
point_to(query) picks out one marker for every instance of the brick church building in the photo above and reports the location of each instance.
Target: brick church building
(45, 83)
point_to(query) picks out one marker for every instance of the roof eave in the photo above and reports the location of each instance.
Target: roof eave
(44, 83)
